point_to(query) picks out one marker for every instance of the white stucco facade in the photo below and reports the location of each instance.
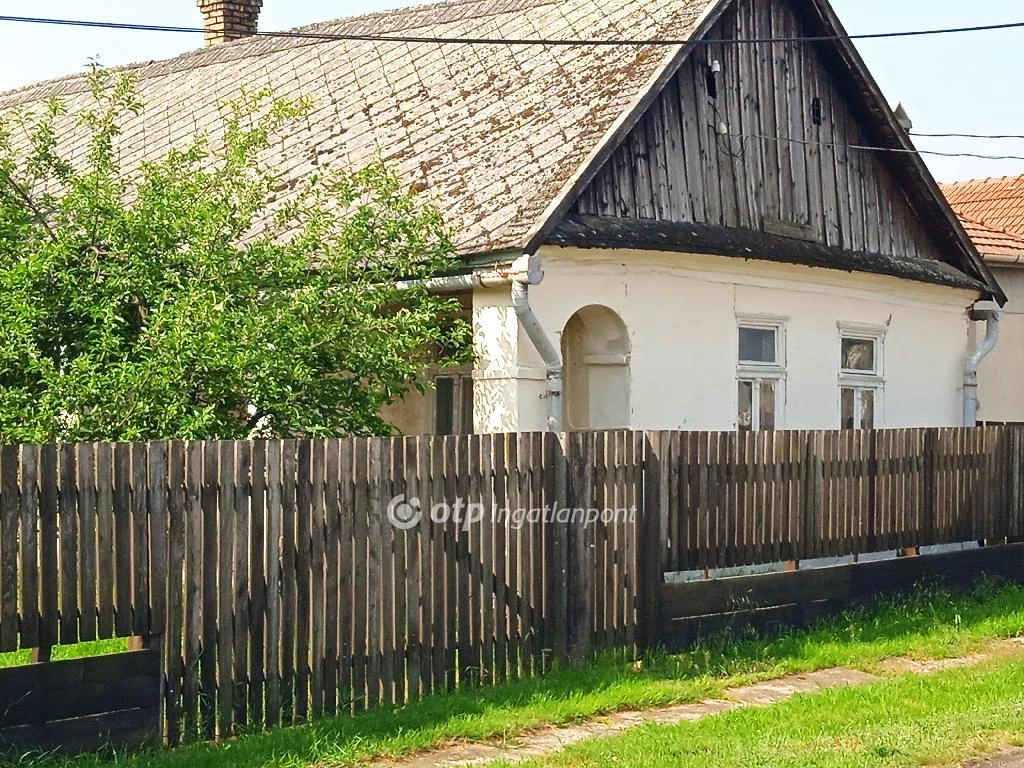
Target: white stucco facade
(1001, 376)
(681, 313)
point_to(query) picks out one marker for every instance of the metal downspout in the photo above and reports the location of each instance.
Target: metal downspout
(971, 401)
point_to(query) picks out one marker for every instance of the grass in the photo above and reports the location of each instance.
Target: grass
(942, 719)
(931, 624)
(63, 652)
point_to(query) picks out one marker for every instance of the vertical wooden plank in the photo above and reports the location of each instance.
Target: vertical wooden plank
(10, 498)
(105, 596)
(257, 582)
(240, 584)
(581, 489)
(68, 545)
(499, 550)
(272, 556)
(31, 520)
(374, 636)
(537, 549)
(425, 588)
(558, 572)
(225, 587)
(472, 539)
(289, 577)
(395, 621)
(523, 551)
(140, 539)
(156, 503)
(88, 563)
(347, 599)
(317, 598)
(438, 537)
(193, 511)
(48, 571)
(303, 574)
(360, 608)
(413, 579)
(176, 516)
(466, 667)
(210, 560)
(332, 574)
(515, 533)
(650, 544)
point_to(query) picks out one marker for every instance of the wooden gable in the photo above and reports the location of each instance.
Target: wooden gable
(762, 137)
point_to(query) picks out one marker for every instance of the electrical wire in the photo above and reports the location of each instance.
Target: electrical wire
(325, 36)
(867, 148)
(987, 136)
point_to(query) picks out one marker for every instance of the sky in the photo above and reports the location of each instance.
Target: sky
(966, 83)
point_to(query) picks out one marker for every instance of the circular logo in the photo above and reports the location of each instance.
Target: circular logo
(404, 513)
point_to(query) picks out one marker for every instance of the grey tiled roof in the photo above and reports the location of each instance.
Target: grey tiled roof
(495, 133)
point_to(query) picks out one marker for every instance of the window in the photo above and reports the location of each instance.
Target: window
(761, 373)
(816, 111)
(453, 405)
(860, 375)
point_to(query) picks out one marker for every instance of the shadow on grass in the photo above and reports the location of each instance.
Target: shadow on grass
(931, 621)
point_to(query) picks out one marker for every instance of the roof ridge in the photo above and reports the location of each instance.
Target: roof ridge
(986, 180)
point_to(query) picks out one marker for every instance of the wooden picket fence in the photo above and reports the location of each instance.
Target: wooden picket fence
(285, 580)
(279, 587)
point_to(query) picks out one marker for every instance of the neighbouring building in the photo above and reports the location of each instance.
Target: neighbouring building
(992, 211)
(673, 236)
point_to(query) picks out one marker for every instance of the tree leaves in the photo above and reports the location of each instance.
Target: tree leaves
(169, 301)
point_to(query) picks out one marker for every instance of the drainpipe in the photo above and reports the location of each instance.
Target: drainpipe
(523, 273)
(971, 402)
(548, 352)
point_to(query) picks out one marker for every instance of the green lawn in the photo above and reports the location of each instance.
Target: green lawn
(932, 624)
(940, 720)
(76, 651)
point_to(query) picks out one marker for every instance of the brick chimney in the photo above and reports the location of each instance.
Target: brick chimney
(227, 20)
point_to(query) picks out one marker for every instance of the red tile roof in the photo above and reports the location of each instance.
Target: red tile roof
(995, 245)
(997, 203)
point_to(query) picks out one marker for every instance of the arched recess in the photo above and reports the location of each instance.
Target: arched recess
(595, 351)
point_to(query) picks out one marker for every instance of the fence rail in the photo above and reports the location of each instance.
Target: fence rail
(285, 580)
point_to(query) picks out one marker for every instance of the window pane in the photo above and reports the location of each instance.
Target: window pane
(846, 415)
(867, 409)
(859, 355)
(467, 405)
(444, 406)
(767, 406)
(746, 410)
(757, 345)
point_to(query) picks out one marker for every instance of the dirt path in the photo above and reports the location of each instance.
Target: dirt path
(1013, 758)
(549, 739)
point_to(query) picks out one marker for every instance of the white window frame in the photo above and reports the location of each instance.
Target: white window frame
(862, 381)
(755, 372)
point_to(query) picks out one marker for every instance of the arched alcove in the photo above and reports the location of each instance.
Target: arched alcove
(595, 351)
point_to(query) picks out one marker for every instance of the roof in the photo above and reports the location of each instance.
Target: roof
(500, 136)
(493, 133)
(996, 246)
(997, 203)
(645, 234)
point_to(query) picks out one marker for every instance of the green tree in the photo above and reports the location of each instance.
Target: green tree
(169, 301)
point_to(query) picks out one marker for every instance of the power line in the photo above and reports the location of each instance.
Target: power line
(867, 148)
(325, 36)
(987, 136)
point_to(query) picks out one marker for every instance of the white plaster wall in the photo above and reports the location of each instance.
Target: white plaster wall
(1001, 376)
(680, 311)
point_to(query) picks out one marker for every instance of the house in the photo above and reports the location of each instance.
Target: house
(992, 211)
(682, 230)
